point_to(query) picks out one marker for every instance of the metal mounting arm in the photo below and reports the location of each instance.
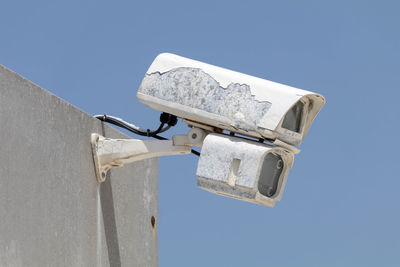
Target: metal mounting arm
(109, 153)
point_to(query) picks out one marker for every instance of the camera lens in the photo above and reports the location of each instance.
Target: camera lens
(271, 171)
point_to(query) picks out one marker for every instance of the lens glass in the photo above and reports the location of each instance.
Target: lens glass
(292, 120)
(271, 171)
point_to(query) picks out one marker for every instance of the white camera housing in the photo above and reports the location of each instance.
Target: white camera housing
(211, 99)
(229, 100)
(243, 169)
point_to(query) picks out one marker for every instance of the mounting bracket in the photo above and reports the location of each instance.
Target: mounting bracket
(109, 153)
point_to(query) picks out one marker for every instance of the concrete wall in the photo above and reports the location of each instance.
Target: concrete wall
(53, 212)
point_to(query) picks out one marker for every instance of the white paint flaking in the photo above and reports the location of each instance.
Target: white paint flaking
(252, 106)
(194, 88)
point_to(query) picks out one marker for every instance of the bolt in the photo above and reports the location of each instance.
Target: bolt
(194, 136)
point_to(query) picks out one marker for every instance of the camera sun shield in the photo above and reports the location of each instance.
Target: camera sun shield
(229, 100)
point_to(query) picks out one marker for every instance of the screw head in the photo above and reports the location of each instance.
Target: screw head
(279, 165)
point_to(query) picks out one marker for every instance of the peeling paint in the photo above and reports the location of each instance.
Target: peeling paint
(195, 88)
(220, 154)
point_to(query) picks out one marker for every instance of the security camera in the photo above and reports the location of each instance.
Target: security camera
(224, 99)
(243, 169)
(247, 127)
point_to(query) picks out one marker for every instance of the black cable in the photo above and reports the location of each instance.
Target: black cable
(164, 118)
(165, 129)
(130, 127)
(197, 153)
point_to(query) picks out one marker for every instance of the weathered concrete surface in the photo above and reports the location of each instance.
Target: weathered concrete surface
(53, 212)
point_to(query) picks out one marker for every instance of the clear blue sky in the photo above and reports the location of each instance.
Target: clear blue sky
(341, 203)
